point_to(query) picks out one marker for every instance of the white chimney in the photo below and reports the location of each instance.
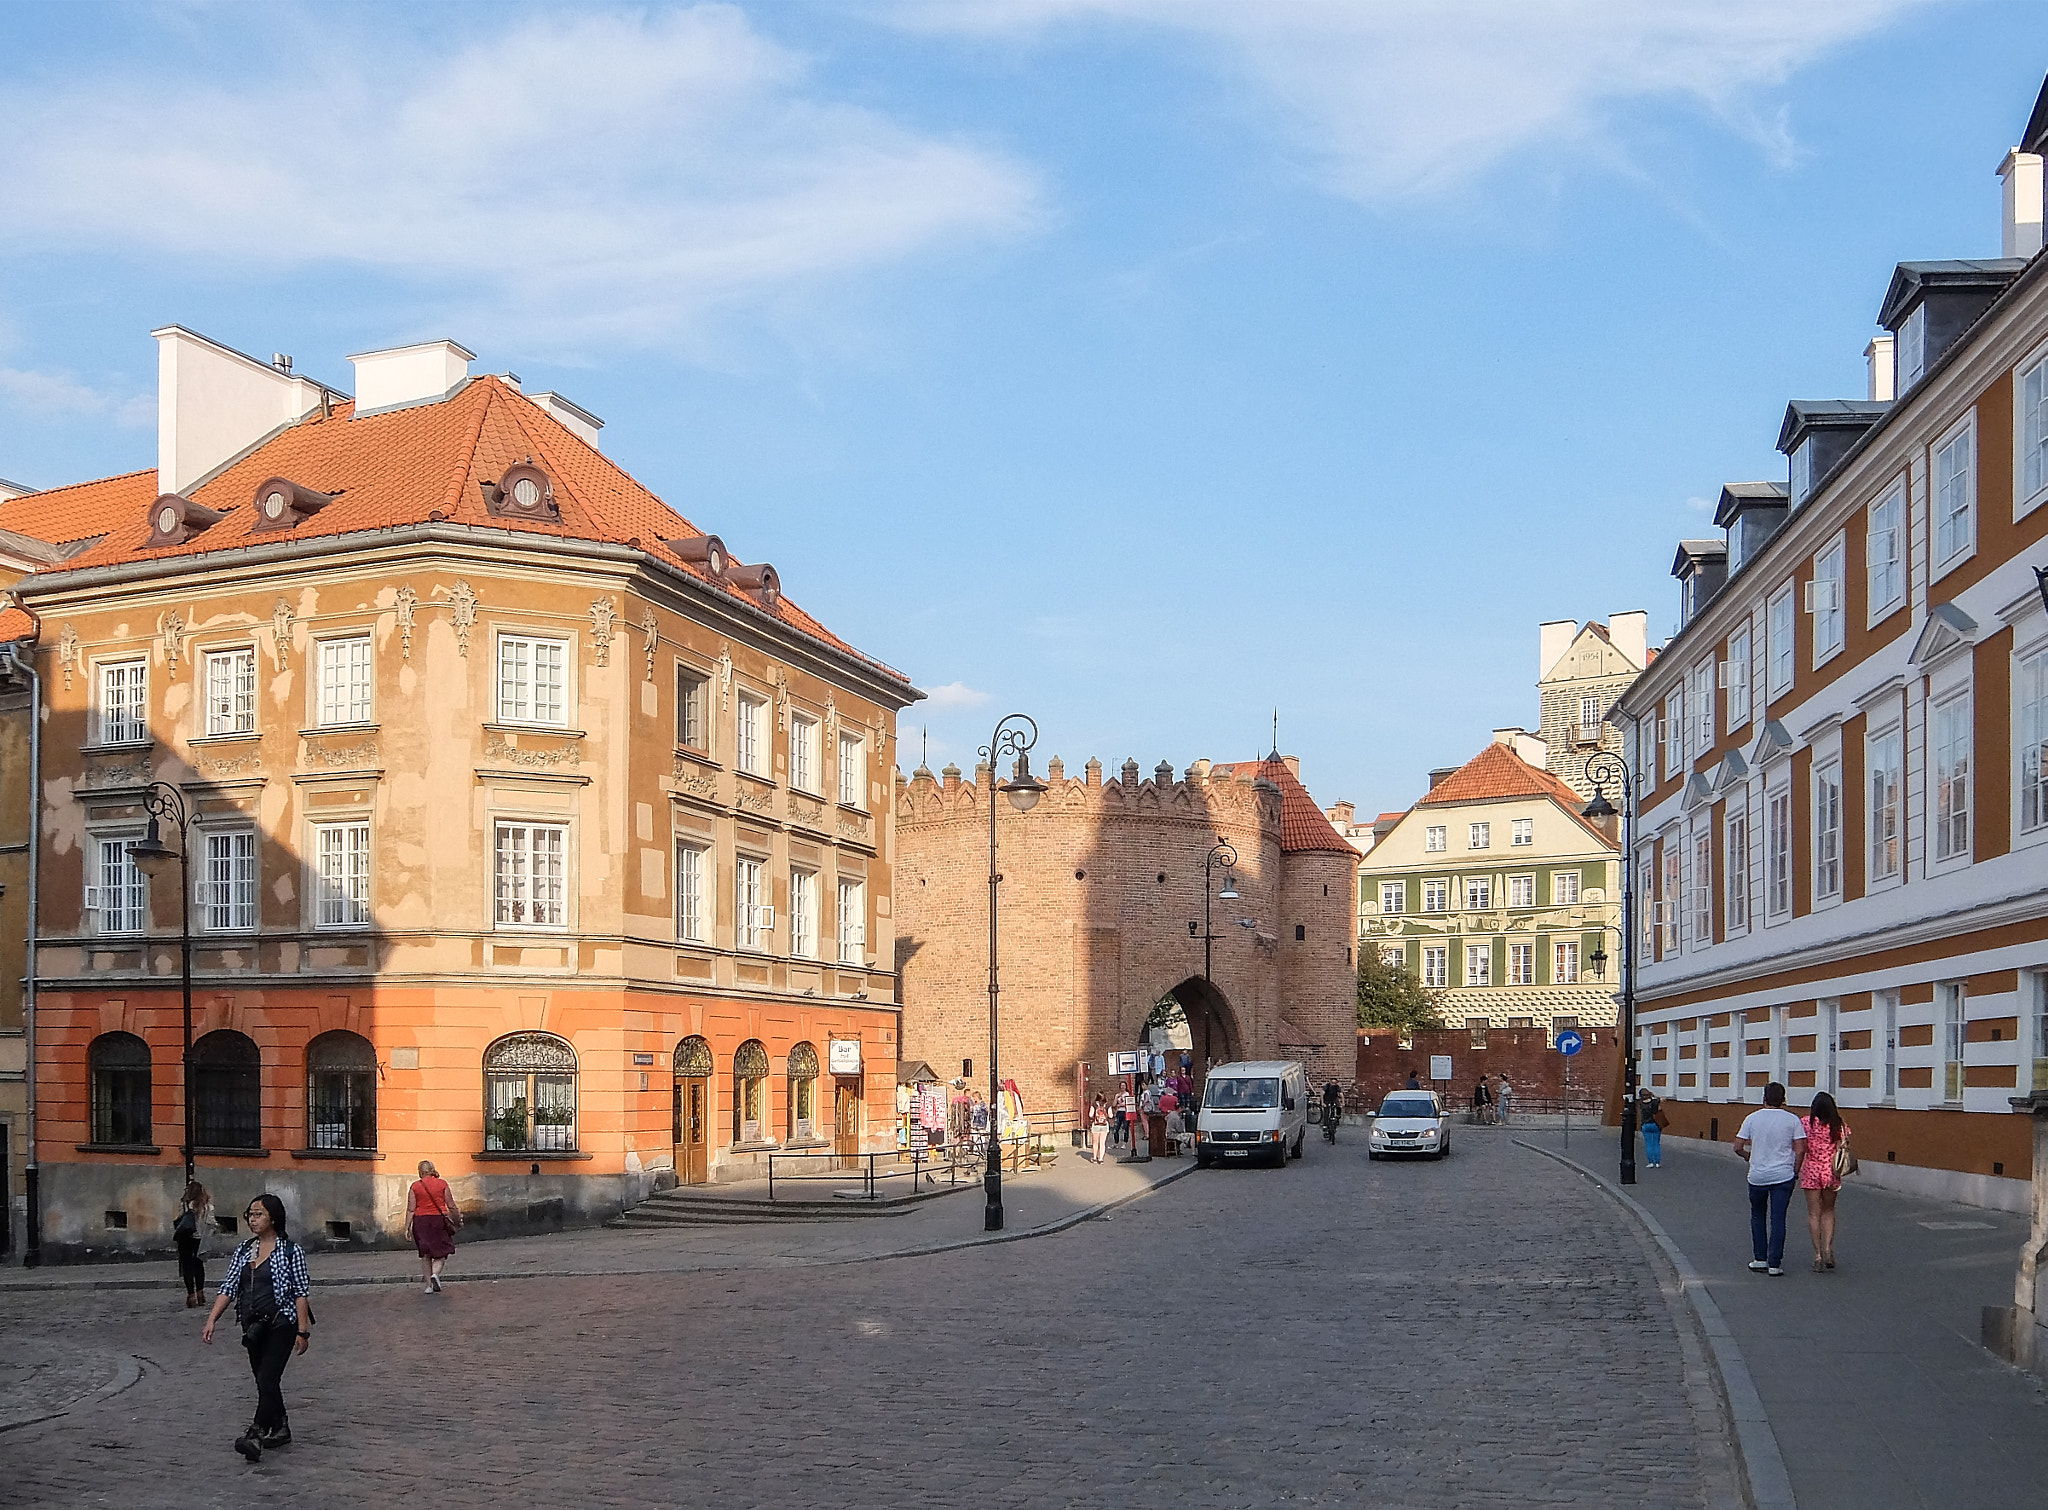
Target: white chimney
(2022, 174)
(213, 403)
(1529, 748)
(1884, 369)
(1552, 641)
(574, 416)
(1630, 634)
(409, 375)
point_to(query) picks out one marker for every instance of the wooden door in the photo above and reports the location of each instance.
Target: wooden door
(846, 1109)
(692, 1117)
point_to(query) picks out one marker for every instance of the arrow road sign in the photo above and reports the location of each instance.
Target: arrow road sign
(1569, 1042)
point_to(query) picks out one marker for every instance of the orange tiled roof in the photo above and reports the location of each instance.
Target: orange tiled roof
(1303, 825)
(1497, 773)
(16, 623)
(424, 463)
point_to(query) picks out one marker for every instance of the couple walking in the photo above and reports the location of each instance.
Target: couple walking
(1786, 1151)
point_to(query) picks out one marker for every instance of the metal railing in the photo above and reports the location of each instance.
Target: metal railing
(923, 1167)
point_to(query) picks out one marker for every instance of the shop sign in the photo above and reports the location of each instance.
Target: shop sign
(845, 1056)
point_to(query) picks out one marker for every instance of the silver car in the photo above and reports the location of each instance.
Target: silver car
(1410, 1122)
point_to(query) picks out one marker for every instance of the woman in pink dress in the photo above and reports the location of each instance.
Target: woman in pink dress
(1825, 1132)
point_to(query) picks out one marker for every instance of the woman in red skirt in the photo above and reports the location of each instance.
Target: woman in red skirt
(431, 1216)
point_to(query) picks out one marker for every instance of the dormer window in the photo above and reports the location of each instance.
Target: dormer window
(705, 551)
(282, 504)
(1912, 348)
(524, 492)
(174, 520)
(759, 580)
(1801, 478)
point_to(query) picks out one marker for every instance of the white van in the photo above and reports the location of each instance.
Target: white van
(1254, 1112)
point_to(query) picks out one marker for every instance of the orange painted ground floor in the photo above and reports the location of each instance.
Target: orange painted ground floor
(543, 1106)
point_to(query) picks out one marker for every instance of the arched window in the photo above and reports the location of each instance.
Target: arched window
(341, 1092)
(803, 1091)
(119, 1067)
(749, 1091)
(530, 1095)
(693, 1057)
(227, 1091)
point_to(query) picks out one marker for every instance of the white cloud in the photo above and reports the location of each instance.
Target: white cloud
(1395, 98)
(617, 175)
(954, 695)
(57, 395)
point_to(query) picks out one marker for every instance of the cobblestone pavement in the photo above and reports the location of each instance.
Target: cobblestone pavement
(1487, 1330)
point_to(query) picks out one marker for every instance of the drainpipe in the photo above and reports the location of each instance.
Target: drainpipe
(21, 662)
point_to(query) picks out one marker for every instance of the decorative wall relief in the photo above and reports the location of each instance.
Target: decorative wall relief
(781, 701)
(851, 827)
(602, 612)
(724, 677)
(532, 759)
(136, 773)
(831, 726)
(650, 631)
(281, 633)
(334, 756)
(462, 609)
(803, 810)
(406, 604)
(753, 801)
(173, 627)
(692, 778)
(68, 652)
(231, 765)
(878, 735)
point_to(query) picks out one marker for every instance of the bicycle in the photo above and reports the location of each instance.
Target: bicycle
(1333, 1113)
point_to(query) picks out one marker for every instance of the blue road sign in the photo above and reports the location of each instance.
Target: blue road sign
(1569, 1042)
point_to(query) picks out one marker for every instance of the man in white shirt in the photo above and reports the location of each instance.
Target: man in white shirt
(1773, 1141)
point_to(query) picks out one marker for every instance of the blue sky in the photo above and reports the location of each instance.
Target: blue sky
(1145, 365)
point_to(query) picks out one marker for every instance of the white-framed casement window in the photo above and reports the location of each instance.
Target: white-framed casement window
(803, 753)
(1646, 900)
(1523, 833)
(1564, 964)
(1735, 867)
(123, 702)
(750, 747)
(2031, 423)
(853, 770)
(1778, 854)
(693, 728)
(1951, 739)
(690, 919)
(1590, 714)
(231, 691)
(1479, 964)
(1824, 598)
(2032, 765)
(1909, 362)
(1436, 896)
(1703, 683)
(750, 903)
(853, 921)
(1953, 997)
(1673, 895)
(1436, 966)
(1955, 496)
(1674, 733)
(1735, 680)
(1478, 893)
(530, 882)
(1481, 835)
(1702, 892)
(803, 913)
(227, 881)
(1884, 552)
(345, 680)
(1521, 891)
(1827, 832)
(1799, 473)
(1394, 956)
(1883, 758)
(2034, 1003)
(533, 680)
(341, 875)
(1393, 897)
(116, 895)
(1435, 838)
(1564, 888)
(1521, 964)
(1780, 651)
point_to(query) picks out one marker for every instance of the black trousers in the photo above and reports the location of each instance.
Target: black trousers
(267, 1358)
(191, 1267)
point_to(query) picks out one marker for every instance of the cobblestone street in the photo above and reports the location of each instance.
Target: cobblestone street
(1488, 1330)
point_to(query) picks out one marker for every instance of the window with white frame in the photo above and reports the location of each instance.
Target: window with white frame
(1674, 733)
(345, 680)
(1884, 551)
(1910, 355)
(530, 879)
(1883, 755)
(1703, 706)
(533, 680)
(1778, 854)
(1479, 964)
(1482, 836)
(1799, 473)
(1825, 594)
(1588, 730)
(853, 922)
(1673, 895)
(123, 702)
(853, 770)
(1702, 888)
(803, 913)
(750, 902)
(690, 919)
(1955, 528)
(2034, 998)
(1436, 966)
(1735, 867)
(1521, 964)
(2033, 428)
(692, 696)
(1646, 904)
(1954, 997)
(1951, 742)
(2032, 693)
(803, 753)
(1523, 832)
(1394, 956)
(231, 691)
(1478, 893)
(1393, 897)
(1434, 838)
(1827, 831)
(1521, 891)
(117, 897)
(1564, 964)
(1779, 649)
(341, 875)
(1737, 679)
(1436, 896)
(227, 882)
(749, 746)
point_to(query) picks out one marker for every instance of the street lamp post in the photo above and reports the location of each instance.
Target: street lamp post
(154, 858)
(1605, 766)
(1219, 851)
(1014, 735)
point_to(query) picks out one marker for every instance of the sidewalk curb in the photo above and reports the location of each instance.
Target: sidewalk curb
(1763, 1467)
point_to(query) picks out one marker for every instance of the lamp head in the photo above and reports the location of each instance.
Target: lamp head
(1598, 960)
(151, 855)
(1023, 789)
(1229, 891)
(1599, 807)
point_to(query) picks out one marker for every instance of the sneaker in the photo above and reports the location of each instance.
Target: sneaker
(249, 1446)
(435, 1282)
(1776, 1271)
(279, 1437)
(1758, 1265)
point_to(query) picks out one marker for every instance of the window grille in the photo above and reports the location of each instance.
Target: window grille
(345, 680)
(227, 885)
(530, 1095)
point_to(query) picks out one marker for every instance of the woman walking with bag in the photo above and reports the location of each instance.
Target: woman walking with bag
(1651, 1118)
(195, 1221)
(1820, 1175)
(431, 1216)
(1098, 1128)
(272, 1292)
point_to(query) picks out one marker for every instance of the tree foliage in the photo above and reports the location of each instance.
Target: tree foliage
(1390, 996)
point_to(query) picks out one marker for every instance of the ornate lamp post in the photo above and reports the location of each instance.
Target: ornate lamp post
(1223, 852)
(1603, 767)
(1014, 735)
(154, 858)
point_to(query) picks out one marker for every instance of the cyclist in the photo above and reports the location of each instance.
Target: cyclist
(1333, 1111)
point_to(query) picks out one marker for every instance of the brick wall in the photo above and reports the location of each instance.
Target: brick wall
(1524, 1055)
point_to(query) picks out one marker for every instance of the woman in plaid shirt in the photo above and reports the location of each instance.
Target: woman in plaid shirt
(272, 1292)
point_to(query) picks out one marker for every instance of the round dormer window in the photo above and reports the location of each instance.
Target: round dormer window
(166, 520)
(717, 563)
(526, 492)
(274, 503)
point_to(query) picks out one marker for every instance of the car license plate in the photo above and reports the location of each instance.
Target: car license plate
(1235, 1153)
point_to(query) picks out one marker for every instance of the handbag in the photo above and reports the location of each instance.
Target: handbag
(187, 1224)
(1844, 1161)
